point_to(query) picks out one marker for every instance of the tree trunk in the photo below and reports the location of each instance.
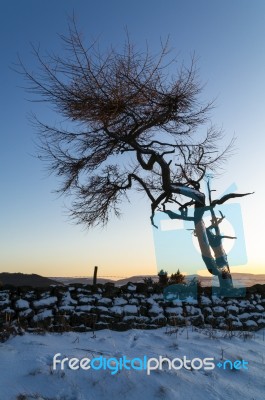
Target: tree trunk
(217, 264)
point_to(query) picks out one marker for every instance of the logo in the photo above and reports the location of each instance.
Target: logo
(176, 246)
(144, 363)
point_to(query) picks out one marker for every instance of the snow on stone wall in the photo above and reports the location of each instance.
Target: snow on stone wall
(85, 308)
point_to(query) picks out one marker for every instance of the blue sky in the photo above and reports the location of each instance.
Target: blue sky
(228, 38)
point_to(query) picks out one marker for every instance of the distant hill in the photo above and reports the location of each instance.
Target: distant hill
(34, 280)
(240, 279)
(81, 279)
(89, 280)
(19, 279)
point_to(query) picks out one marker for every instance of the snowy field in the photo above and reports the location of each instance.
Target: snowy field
(26, 366)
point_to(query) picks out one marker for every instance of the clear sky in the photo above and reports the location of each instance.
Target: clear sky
(229, 39)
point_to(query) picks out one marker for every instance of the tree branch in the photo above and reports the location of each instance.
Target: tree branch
(228, 197)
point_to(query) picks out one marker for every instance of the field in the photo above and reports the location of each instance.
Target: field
(26, 366)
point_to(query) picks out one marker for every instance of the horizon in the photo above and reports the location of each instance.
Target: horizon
(208, 275)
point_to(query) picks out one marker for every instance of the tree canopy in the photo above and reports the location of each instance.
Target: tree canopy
(120, 104)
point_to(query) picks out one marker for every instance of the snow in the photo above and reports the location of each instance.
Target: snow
(105, 301)
(150, 301)
(193, 310)
(67, 308)
(4, 293)
(219, 309)
(8, 310)
(102, 309)
(84, 308)
(48, 301)
(170, 296)
(251, 323)
(134, 301)
(157, 296)
(237, 324)
(4, 302)
(86, 299)
(174, 310)
(177, 302)
(244, 316)
(191, 300)
(216, 300)
(130, 309)
(232, 317)
(119, 301)
(158, 317)
(22, 304)
(25, 313)
(189, 192)
(116, 310)
(43, 314)
(97, 296)
(155, 309)
(244, 303)
(26, 366)
(233, 308)
(205, 300)
(67, 300)
(132, 287)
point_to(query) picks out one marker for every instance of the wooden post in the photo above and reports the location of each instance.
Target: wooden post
(95, 276)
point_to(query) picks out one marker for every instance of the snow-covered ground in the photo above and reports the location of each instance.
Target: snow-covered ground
(26, 371)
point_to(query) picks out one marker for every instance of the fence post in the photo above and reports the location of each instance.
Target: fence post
(95, 275)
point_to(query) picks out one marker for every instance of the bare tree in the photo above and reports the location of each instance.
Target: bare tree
(136, 126)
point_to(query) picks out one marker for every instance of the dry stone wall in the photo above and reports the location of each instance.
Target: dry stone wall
(86, 308)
